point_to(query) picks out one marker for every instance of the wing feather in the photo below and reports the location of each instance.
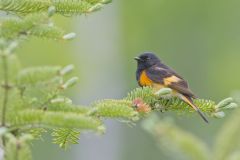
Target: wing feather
(169, 78)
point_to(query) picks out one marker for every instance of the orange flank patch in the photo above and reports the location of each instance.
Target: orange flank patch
(167, 81)
(144, 80)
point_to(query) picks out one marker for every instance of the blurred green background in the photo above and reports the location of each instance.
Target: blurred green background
(200, 39)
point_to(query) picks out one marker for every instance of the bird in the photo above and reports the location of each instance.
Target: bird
(152, 72)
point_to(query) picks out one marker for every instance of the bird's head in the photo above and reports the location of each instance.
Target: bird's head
(147, 60)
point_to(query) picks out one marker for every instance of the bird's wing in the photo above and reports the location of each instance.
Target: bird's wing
(169, 78)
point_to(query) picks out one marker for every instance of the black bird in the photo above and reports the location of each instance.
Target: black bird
(152, 72)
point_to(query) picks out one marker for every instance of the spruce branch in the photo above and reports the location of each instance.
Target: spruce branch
(5, 86)
(174, 139)
(227, 140)
(17, 148)
(168, 135)
(34, 75)
(38, 25)
(63, 7)
(114, 109)
(168, 103)
(50, 120)
(63, 104)
(36, 133)
(65, 137)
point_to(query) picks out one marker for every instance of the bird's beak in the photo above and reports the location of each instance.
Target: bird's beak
(137, 58)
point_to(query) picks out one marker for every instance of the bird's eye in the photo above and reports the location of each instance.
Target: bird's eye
(145, 58)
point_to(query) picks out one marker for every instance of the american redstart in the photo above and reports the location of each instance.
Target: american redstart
(152, 72)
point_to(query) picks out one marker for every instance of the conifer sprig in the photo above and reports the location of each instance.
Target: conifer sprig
(172, 138)
(64, 7)
(32, 100)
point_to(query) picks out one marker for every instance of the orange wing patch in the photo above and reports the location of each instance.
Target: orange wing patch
(173, 79)
(144, 80)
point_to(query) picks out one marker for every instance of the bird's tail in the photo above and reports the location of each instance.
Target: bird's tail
(189, 101)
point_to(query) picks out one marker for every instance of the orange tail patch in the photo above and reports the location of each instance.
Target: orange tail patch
(189, 101)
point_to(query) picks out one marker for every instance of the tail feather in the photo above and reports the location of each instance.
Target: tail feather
(189, 101)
